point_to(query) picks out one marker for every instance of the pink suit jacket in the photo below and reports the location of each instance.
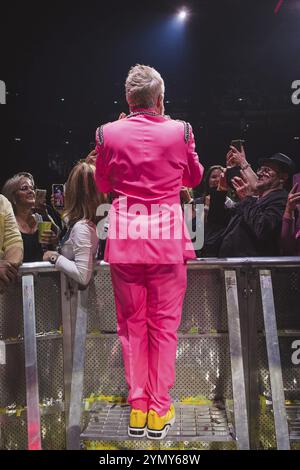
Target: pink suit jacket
(146, 158)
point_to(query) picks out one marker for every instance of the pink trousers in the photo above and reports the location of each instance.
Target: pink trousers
(149, 303)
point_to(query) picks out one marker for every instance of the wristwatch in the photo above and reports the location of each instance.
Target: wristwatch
(53, 258)
(244, 167)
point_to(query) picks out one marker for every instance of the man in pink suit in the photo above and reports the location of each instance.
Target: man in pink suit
(144, 160)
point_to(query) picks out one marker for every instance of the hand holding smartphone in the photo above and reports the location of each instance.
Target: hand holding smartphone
(238, 144)
(40, 197)
(234, 161)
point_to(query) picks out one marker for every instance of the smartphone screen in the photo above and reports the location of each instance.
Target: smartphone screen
(58, 195)
(232, 173)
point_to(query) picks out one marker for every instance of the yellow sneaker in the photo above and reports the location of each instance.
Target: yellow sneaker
(158, 426)
(137, 423)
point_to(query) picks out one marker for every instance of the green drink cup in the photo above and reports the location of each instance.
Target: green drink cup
(42, 227)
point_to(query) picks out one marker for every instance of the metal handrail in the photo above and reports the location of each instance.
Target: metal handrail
(227, 265)
(205, 263)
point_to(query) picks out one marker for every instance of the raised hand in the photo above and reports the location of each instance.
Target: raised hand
(91, 158)
(293, 200)
(236, 157)
(8, 272)
(242, 186)
(223, 185)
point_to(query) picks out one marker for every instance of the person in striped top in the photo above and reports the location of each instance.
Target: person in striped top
(11, 244)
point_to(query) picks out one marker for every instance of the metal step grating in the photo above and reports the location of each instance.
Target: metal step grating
(193, 423)
(293, 415)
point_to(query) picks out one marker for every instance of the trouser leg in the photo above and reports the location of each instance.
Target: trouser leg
(166, 286)
(131, 305)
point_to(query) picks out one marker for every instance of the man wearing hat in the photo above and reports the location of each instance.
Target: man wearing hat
(255, 223)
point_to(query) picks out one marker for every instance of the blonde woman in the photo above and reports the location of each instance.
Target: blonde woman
(20, 192)
(79, 245)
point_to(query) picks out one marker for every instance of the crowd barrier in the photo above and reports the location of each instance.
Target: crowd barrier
(238, 360)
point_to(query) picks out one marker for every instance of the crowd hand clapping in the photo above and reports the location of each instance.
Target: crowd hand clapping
(241, 186)
(293, 200)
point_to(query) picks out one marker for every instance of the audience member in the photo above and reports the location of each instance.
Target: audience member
(11, 244)
(19, 190)
(78, 247)
(254, 225)
(290, 236)
(213, 228)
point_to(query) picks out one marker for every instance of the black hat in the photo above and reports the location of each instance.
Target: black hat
(284, 162)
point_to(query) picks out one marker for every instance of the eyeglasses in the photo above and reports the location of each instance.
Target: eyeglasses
(267, 171)
(25, 187)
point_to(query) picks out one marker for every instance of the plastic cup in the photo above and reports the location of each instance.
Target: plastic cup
(42, 227)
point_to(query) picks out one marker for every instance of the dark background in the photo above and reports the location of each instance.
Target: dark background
(228, 70)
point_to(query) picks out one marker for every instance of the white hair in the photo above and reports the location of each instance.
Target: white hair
(143, 86)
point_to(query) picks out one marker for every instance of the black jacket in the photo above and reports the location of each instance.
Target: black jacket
(254, 224)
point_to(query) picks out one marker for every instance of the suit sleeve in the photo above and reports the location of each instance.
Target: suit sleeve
(193, 172)
(101, 176)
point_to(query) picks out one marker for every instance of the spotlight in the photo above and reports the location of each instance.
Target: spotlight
(182, 15)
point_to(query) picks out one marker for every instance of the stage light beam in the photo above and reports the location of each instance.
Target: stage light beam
(182, 15)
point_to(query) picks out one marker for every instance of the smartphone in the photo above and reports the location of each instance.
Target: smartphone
(58, 195)
(40, 196)
(238, 144)
(231, 173)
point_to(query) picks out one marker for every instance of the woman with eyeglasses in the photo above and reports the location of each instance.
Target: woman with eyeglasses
(19, 190)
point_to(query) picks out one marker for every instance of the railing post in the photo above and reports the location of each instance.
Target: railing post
(280, 416)
(236, 357)
(66, 308)
(75, 409)
(31, 368)
(252, 327)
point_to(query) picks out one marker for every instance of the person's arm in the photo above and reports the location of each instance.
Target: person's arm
(234, 157)
(263, 221)
(12, 241)
(288, 230)
(101, 176)
(288, 240)
(193, 172)
(85, 242)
